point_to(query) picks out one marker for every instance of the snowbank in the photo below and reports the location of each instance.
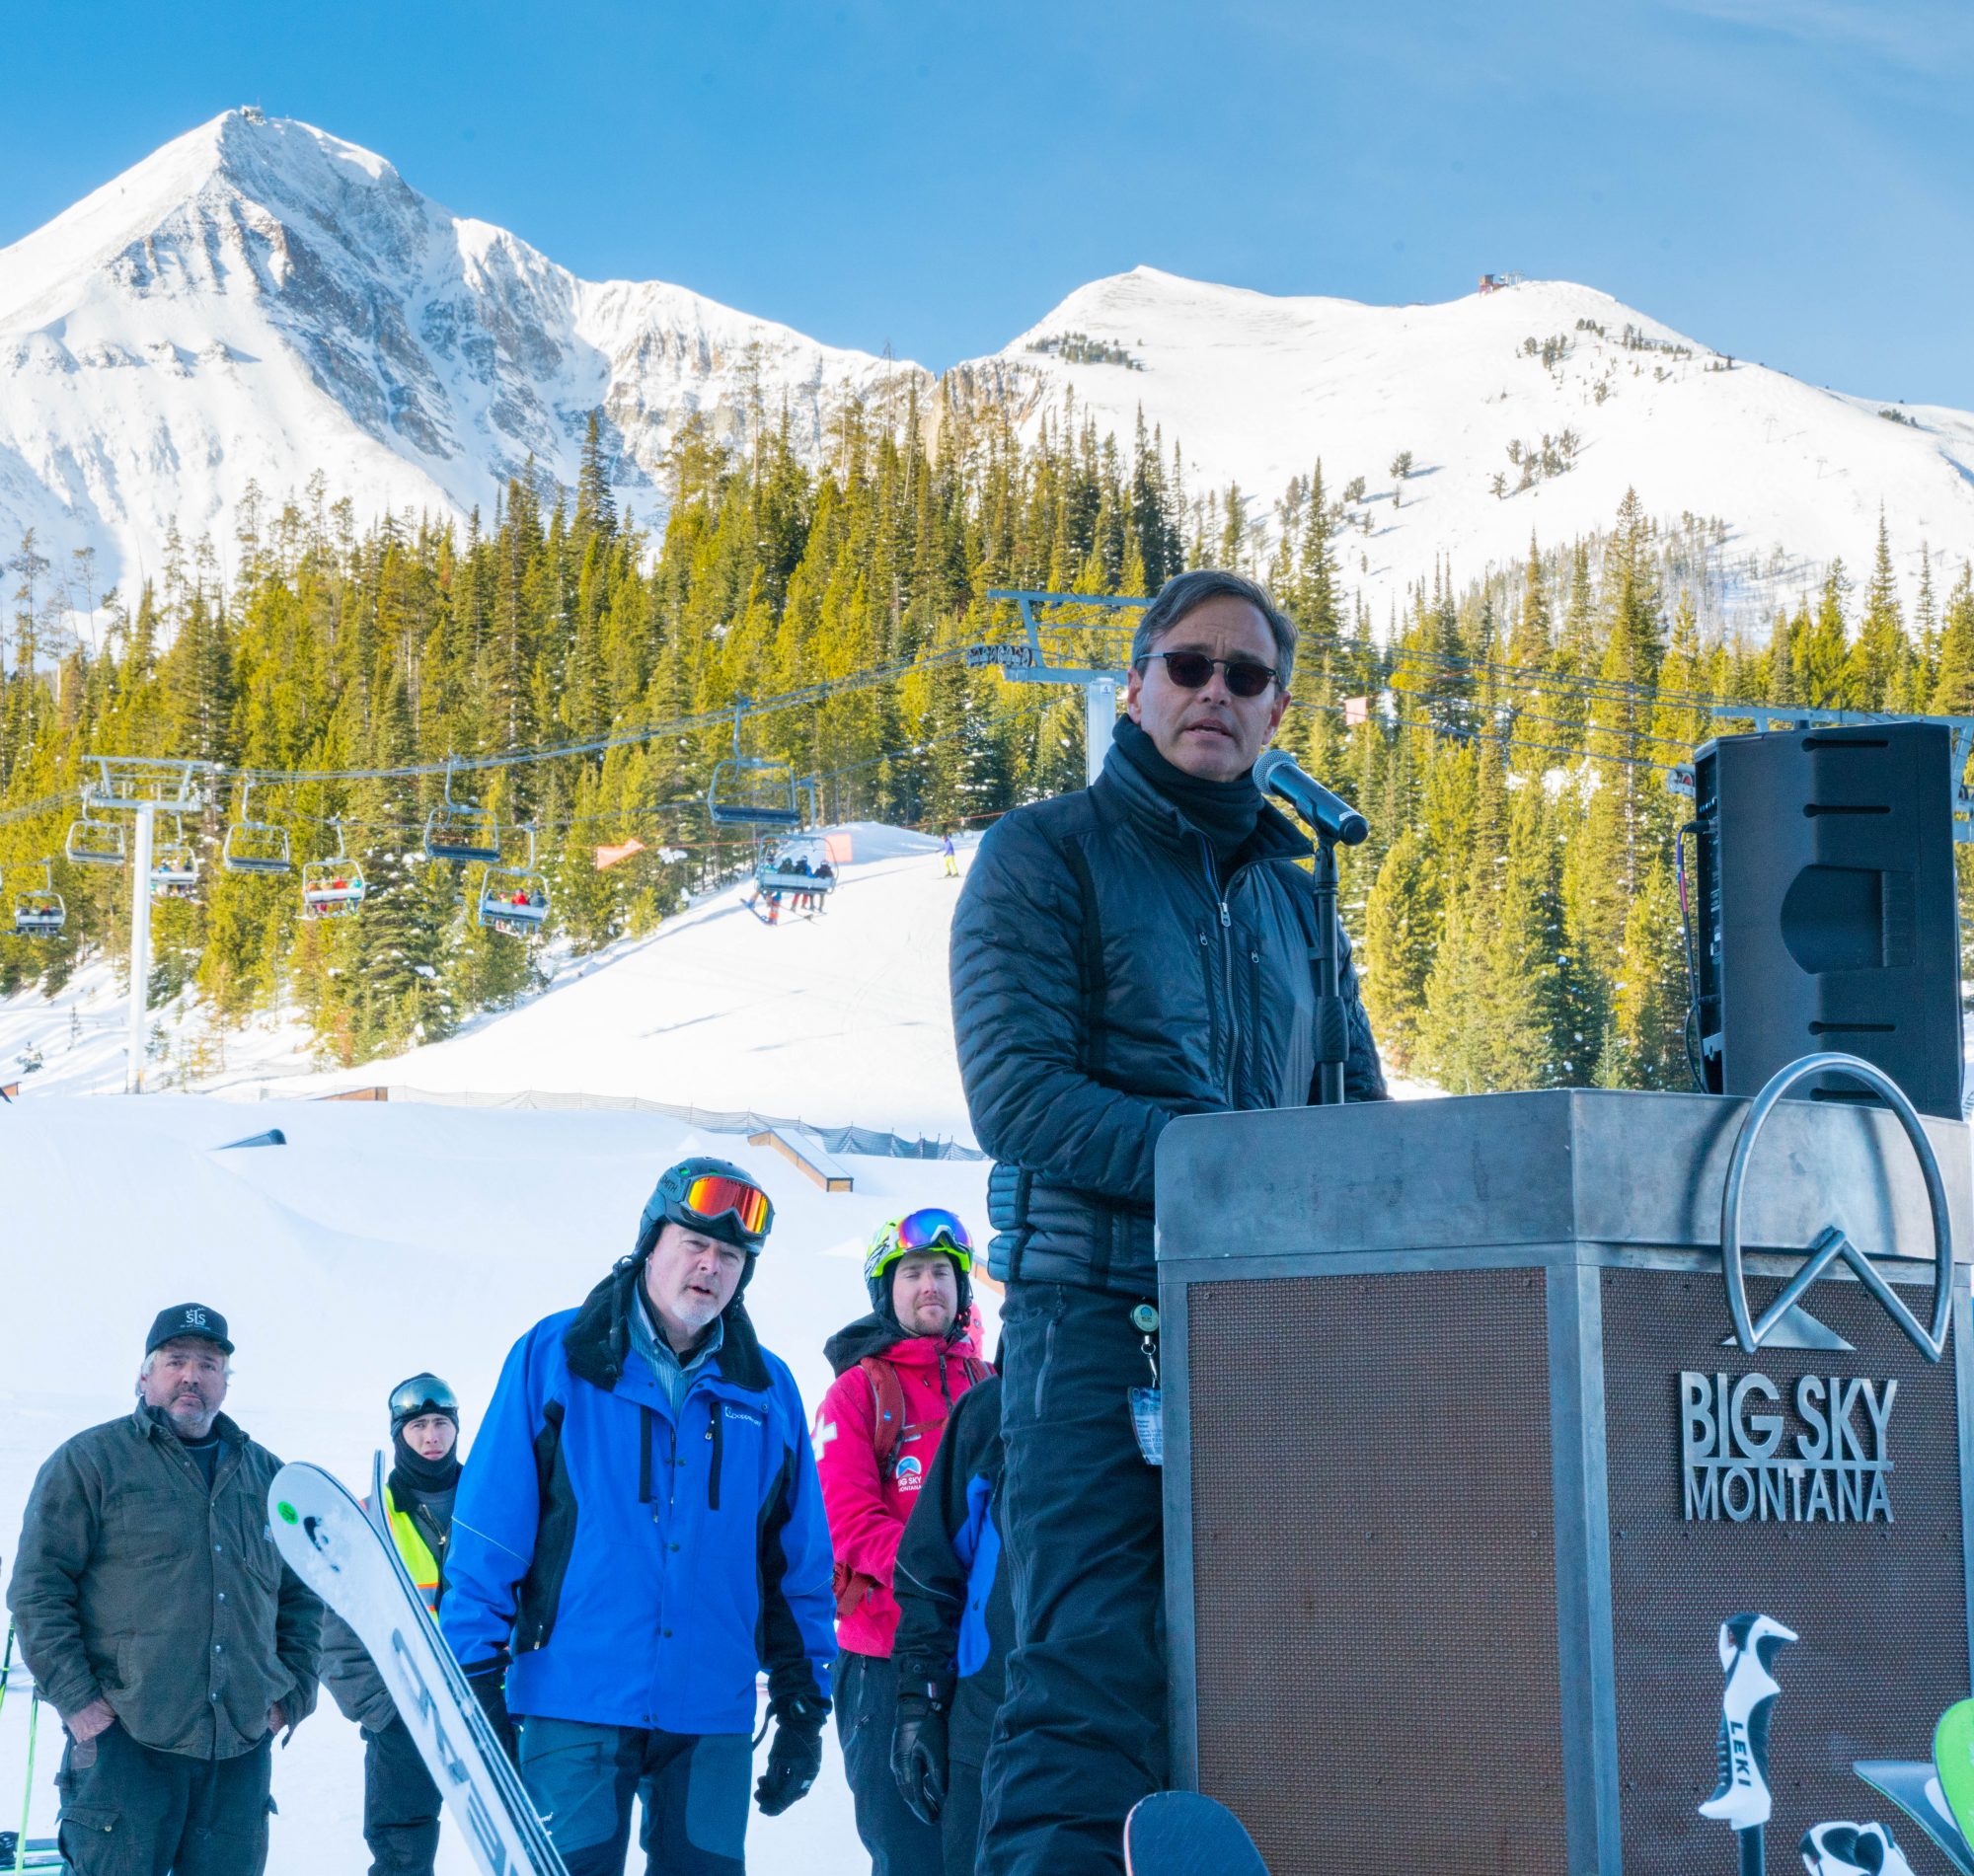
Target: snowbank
(377, 1241)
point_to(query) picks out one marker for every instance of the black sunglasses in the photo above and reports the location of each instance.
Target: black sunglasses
(1193, 671)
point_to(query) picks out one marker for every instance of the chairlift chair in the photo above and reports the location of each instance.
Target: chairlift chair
(94, 843)
(332, 888)
(41, 913)
(174, 866)
(750, 790)
(254, 847)
(462, 829)
(515, 900)
(779, 871)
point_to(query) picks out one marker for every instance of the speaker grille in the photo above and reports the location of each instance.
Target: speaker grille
(1875, 1667)
(1375, 1570)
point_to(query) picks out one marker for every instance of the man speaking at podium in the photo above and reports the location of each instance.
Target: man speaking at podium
(1123, 956)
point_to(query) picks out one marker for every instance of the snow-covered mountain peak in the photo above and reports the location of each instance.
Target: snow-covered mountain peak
(1529, 408)
(262, 302)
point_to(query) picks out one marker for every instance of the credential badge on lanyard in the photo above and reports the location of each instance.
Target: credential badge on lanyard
(1147, 1418)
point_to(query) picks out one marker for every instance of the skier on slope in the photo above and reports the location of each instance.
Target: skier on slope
(955, 1625)
(898, 1371)
(639, 1532)
(401, 1803)
(157, 1619)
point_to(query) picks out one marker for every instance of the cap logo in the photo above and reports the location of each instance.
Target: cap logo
(194, 1319)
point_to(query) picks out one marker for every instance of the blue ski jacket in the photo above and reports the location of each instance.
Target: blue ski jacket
(637, 1570)
(955, 1603)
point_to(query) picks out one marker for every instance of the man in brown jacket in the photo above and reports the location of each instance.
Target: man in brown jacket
(159, 1619)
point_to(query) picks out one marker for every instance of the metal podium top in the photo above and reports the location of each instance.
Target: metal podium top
(1627, 1172)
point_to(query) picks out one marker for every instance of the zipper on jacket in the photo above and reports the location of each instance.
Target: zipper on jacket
(1227, 1069)
(716, 1433)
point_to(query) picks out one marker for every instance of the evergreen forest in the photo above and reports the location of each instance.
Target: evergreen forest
(1516, 909)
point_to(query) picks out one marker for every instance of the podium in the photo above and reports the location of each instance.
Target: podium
(1465, 1467)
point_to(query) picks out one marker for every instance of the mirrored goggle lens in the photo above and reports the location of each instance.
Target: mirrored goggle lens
(1193, 671)
(713, 1197)
(923, 1231)
(423, 1393)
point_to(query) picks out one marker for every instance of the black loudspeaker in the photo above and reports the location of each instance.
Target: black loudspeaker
(1825, 912)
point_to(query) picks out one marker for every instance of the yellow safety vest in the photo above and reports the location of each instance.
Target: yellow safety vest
(412, 1546)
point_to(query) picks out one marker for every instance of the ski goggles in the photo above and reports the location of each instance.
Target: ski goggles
(932, 1229)
(1193, 671)
(714, 1196)
(423, 1394)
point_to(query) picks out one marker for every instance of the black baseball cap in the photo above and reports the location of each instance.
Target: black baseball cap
(188, 1319)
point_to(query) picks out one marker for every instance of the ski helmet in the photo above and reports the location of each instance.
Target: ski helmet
(712, 1196)
(420, 1396)
(932, 1228)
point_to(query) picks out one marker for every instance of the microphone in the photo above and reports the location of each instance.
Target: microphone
(1330, 814)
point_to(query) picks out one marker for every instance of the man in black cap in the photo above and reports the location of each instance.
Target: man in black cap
(159, 1620)
(401, 1803)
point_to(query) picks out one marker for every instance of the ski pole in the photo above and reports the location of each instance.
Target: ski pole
(28, 1796)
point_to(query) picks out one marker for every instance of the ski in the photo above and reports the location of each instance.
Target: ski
(339, 1552)
(1954, 1762)
(1914, 1787)
(1186, 1834)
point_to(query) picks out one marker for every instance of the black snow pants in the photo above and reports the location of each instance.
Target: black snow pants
(866, 1689)
(134, 1811)
(401, 1804)
(1082, 1734)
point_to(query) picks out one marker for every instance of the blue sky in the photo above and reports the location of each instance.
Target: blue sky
(1787, 179)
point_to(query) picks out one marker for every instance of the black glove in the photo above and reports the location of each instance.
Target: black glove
(794, 1759)
(488, 1682)
(918, 1752)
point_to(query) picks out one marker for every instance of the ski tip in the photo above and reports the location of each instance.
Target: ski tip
(1188, 1834)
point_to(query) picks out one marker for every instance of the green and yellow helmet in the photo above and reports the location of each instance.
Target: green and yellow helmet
(932, 1228)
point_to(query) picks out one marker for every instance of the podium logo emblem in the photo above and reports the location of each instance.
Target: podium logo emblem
(1832, 1246)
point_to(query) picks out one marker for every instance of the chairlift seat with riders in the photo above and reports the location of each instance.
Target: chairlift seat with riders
(801, 865)
(174, 866)
(332, 888)
(513, 900)
(39, 913)
(254, 847)
(462, 829)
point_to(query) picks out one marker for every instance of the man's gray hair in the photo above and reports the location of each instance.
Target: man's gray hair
(151, 1361)
(1184, 592)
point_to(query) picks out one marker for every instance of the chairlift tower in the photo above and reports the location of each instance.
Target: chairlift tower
(1027, 663)
(143, 786)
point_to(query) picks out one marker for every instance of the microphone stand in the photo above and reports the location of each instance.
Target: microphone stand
(1332, 1024)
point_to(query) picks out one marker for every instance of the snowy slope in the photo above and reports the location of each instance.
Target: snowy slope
(384, 1238)
(1257, 387)
(379, 1240)
(259, 301)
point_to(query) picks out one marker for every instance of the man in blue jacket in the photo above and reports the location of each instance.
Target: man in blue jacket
(640, 1531)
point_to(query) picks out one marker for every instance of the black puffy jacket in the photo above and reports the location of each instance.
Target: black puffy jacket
(1103, 984)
